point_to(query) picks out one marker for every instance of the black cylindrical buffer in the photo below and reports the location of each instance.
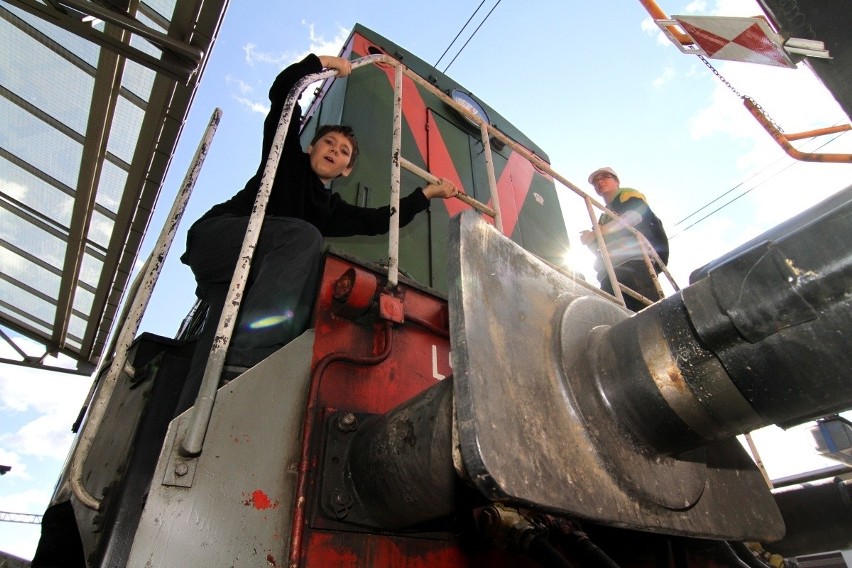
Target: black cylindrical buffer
(762, 339)
(401, 464)
(818, 516)
(664, 385)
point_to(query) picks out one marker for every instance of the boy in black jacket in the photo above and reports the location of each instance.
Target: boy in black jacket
(300, 212)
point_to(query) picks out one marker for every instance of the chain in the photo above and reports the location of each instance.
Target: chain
(740, 95)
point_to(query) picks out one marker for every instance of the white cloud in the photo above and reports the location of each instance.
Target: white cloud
(253, 56)
(797, 102)
(47, 403)
(253, 106)
(21, 539)
(665, 77)
(47, 436)
(13, 460)
(734, 8)
(242, 86)
(14, 190)
(696, 7)
(25, 501)
(318, 44)
(23, 389)
(689, 250)
(793, 98)
(650, 27)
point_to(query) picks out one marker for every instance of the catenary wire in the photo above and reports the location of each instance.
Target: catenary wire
(790, 165)
(471, 35)
(458, 34)
(709, 203)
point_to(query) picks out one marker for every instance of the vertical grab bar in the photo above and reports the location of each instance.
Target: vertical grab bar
(193, 441)
(153, 267)
(396, 150)
(492, 179)
(610, 271)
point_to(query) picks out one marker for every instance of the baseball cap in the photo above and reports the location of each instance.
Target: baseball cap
(604, 170)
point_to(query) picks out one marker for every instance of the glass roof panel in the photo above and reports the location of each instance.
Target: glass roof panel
(40, 145)
(90, 270)
(164, 8)
(85, 50)
(125, 129)
(111, 187)
(38, 72)
(24, 187)
(138, 80)
(83, 300)
(100, 229)
(20, 269)
(27, 307)
(32, 238)
(46, 107)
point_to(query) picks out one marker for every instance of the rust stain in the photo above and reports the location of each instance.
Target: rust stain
(675, 377)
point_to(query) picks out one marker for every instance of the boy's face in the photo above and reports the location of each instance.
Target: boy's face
(330, 156)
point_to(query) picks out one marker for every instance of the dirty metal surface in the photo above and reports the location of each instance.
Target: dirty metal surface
(535, 429)
(238, 509)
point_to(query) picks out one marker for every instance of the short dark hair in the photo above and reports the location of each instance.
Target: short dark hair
(340, 129)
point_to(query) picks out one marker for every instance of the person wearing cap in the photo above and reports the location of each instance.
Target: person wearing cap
(624, 249)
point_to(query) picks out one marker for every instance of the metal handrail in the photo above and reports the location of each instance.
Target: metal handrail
(396, 175)
(153, 266)
(193, 440)
(489, 132)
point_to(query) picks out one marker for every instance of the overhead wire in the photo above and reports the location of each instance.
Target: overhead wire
(473, 34)
(790, 165)
(706, 205)
(458, 34)
(709, 203)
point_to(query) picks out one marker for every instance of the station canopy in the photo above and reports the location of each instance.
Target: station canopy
(93, 96)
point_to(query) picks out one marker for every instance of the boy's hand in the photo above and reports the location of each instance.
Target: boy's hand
(343, 66)
(444, 189)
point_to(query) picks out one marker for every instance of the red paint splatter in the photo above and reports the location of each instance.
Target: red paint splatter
(260, 501)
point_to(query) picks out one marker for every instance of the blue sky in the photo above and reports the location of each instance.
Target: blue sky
(593, 84)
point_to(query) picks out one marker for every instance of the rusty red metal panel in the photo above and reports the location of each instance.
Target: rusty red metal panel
(406, 372)
(342, 549)
(359, 380)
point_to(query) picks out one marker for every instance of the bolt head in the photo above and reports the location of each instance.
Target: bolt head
(347, 422)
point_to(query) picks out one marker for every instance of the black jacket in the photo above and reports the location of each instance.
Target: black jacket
(296, 190)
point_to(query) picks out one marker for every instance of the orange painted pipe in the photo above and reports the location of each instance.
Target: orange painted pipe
(657, 13)
(818, 132)
(785, 143)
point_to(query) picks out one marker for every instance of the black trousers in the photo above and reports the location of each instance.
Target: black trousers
(633, 274)
(280, 290)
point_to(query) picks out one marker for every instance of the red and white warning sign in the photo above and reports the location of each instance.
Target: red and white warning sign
(750, 40)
